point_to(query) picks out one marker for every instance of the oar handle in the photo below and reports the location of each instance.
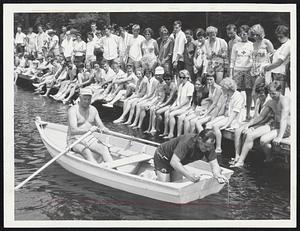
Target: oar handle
(133, 138)
(52, 160)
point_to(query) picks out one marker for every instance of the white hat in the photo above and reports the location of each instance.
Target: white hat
(159, 70)
(86, 91)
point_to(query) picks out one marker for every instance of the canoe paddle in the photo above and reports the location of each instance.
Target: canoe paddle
(52, 160)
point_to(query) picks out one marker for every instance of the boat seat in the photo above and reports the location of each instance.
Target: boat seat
(128, 160)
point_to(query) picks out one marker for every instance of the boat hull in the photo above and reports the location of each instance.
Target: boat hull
(179, 192)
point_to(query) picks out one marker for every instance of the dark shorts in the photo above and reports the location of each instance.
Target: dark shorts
(243, 80)
(161, 164)
(275, 125)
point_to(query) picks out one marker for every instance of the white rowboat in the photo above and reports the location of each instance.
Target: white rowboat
(132, 170)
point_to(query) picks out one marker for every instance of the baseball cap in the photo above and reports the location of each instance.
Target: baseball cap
(86, 91)
(159, 70)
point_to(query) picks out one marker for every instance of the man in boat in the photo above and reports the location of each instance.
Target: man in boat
(82, 118)
(174, 154)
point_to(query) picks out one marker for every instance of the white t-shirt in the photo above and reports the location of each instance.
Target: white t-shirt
(236, 104)
(283, 53)
(109, 75)
(90, 46)
(110, 47)
(135, 50)
(68, 46)
(80, 47)
(20, 38)
(53, 40)
(184, 91)
(241, 56)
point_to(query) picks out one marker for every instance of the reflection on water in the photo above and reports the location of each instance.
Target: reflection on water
(256, 193)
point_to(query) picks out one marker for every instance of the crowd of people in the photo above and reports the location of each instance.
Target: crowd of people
(186, 80)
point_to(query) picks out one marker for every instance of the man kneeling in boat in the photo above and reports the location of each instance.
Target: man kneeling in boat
(173, 154)
(82, 118)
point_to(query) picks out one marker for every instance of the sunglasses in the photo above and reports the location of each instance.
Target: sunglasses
(167, 79)
(181, 77)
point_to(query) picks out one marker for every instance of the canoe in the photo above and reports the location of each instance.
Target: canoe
(132, 169)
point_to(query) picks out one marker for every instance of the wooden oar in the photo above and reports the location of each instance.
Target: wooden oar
(54, 159)
(133, 138)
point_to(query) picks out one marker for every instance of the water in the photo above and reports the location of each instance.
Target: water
(259, 192)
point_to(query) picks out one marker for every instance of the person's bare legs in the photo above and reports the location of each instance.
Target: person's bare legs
(248, 144)
(86, 152)
(200, 122)
(172, 121)
(72, 92)
(132, 110)
(151, 115)
(119, 95)
(166, 123)
(265, 142)
(180, 120)
(101, 150)
(187, 122)
(216, 125)
(248, 103)
(137, 114)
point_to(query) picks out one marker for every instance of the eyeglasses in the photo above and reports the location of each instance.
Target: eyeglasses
(167, 79)
(181, 77)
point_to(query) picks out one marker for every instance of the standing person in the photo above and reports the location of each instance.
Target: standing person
(149, 50)
(281, 57)
(53, 43)
(48, 27)
(63, 35)
(135, 49)
(280, 127)
(79, 50)
(189, 53)
(110, 46)
(90, 48)
(94, 30)
(166, 46)
(216, 53)
(42, 41)
(124, 39)
(240, 66)
(200, 60)
(231, 32)
(231, 111)
(20, 41)
(31, 42)
(263, 49)
(182, 103)
(68, 47)
(179, 43)
(82, 118)
(98, 51)
(174, 154)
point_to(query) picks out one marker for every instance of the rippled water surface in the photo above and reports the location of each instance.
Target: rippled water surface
(258, 192)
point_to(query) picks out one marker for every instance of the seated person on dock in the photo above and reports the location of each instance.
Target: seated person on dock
(107, 77)
(65, 86)
(85, 78)
(50, 76)
(156, 98)
(23, 65)
(131, 102)
(197, 108)
(129, 82)
(82, 118)
(182, 103)
(174, 154)
(232, 110)
(115, 85)
(215, 100)
(245, 135)
(280, 127)
(170, 90)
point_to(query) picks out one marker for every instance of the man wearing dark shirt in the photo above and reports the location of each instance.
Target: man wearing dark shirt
(173, 154)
